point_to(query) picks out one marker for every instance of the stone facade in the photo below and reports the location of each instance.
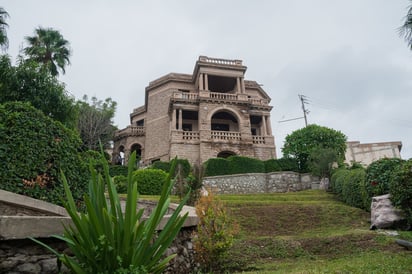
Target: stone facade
(285, 181)
(365, 154)
(213, 112)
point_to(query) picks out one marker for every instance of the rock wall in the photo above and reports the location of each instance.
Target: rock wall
(250, 183)
(25, 256)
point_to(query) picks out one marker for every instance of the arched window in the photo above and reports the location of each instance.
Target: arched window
(224, 121)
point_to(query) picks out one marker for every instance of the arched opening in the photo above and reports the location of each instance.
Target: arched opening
(138, 149)
(224, 121)
(225, 154)
(120, 156)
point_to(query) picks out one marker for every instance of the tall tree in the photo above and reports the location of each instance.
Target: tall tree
(95, 122)
(4, 41)
(406, 29)
(27, 82)
(301, 143)
(49, 48)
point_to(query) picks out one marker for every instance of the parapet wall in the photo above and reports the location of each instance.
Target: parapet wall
(251, 183)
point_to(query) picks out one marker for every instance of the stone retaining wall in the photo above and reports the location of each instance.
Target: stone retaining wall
(251, 183)
(25, 256)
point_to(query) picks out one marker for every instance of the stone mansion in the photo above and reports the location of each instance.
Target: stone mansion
(213, 112)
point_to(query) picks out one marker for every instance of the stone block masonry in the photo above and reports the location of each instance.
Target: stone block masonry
(253, 183)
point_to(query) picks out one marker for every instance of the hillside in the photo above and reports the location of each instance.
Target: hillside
(309, 232)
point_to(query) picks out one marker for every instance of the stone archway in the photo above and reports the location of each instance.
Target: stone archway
(225, 154)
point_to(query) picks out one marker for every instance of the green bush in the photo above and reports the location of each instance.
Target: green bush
(216, 167)
(241, 164)
(116, 170)
(110, 240)
(401, 188)
(351, 188)
(272, 165)
(378, 176)
(150, 181)
(120, 183)
(337, 180)
(34, 149)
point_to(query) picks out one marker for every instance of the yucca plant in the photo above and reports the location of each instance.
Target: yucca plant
(106, 240)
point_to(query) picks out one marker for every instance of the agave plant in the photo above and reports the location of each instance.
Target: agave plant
(106, 240)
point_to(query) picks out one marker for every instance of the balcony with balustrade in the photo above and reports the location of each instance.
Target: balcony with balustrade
(130, 131)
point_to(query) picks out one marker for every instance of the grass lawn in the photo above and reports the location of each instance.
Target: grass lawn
(309, 232)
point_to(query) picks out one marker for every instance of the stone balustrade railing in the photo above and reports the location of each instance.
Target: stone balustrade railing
(130, 131)
(259, 139)
(194, 97)
(225, 135)
(220, 61)
(190, 135)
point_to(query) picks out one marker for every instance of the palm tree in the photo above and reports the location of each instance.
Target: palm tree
(4, 41)
(406, 29)
(49, 48)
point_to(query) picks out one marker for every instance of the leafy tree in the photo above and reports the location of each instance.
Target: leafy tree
(49, 48)
(301, 143)
(95, 122)
(26, 82)
(406, 29)
(4, 41)
(321, 161)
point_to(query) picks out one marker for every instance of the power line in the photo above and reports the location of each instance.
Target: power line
(304, 100)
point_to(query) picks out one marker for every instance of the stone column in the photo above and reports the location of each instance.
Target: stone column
(268, 126)
(264, 133)
(242, 84)
(174, 119)
(239, 88)
(180, 119)
(201, 86)
(206, 82)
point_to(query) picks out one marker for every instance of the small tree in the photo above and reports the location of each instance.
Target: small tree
(321, 161)
(95, 122)
(301, 143)
(215, 235)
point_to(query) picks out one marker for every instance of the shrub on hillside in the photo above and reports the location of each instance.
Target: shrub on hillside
(378, 177)
(401, 188)
(149, 181)
(241, 164)
(216, 167)
(337, 180)
(34, 150)
(351, 188)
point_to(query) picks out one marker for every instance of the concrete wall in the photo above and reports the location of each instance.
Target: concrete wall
(368, 153)
(250, 183)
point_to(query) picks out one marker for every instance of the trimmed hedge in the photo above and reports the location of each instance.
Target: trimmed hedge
(165, 166)
(150, 181)
(120, 181)
(240, 164)
(346, 183)
(34, 150)
(117, 170)
(401, 189)
(216, 167)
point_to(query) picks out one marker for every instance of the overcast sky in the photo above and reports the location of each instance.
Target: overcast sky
(346, 57)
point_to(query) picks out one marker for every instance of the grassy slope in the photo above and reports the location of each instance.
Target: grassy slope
(309, 232)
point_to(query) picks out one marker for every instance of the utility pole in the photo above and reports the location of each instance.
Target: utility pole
(304, 101)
